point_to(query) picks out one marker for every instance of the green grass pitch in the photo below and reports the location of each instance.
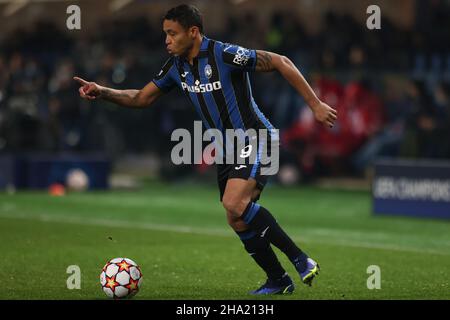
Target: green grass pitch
(179, 236)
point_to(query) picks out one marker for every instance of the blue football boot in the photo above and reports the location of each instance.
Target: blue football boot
(279, 286)
(307, 268)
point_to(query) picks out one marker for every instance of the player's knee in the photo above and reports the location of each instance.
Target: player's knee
(235, 206)
(231, 220)
(235, 223)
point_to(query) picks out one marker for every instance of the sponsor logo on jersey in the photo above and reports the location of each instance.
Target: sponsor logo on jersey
(201, 87)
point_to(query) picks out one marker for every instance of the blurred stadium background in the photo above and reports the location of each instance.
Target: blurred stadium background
(391, 88)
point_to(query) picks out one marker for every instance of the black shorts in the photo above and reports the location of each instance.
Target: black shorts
(229, 171)
(250, 169)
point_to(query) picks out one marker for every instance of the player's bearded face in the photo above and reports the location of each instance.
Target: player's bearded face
(178, 40)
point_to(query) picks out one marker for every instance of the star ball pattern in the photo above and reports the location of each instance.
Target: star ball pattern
(121, 278)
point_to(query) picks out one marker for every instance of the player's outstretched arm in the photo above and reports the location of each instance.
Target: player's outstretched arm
(269, 61)
(127, 98)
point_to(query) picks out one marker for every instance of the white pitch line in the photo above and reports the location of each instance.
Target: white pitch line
(203, 231)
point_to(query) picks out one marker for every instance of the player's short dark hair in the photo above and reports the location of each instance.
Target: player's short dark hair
(186, 15)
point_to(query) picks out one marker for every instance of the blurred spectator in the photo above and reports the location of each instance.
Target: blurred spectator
(319, 149)
(387, 141)
(427, 123)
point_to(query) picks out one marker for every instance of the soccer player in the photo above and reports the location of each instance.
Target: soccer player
(214, 77)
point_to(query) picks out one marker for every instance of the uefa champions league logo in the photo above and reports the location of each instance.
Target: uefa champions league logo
(241, 57)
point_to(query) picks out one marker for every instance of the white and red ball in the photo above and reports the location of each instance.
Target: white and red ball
(77, 180)
(121, 278)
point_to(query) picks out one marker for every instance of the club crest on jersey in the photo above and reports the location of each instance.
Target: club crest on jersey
(208, 71)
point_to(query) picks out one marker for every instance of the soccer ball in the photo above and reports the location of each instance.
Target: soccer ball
(121, 278)
(77, 180)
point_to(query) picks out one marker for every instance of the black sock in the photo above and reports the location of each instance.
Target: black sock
(261, 251)
(261, 220)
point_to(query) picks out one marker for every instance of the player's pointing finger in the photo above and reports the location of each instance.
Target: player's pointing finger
(81, 81)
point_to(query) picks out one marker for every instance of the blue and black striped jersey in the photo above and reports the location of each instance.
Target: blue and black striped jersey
(217, 84)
